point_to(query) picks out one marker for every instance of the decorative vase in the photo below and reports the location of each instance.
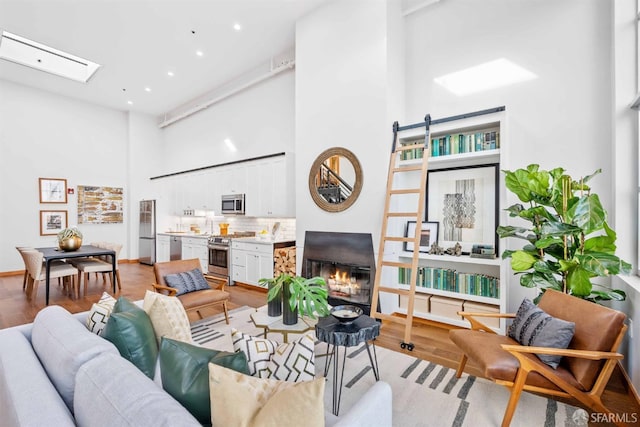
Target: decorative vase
(70, 244)
(274, 307)
(289, 317)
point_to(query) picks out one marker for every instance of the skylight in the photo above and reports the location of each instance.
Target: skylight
(41, 57)
(479, 78)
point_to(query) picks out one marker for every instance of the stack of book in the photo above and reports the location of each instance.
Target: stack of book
(483, 251)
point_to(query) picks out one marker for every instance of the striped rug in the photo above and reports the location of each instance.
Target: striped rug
(424, 393)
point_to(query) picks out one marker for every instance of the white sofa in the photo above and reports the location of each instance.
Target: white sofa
(54, 372)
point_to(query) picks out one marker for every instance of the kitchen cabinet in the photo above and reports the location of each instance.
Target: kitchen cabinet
(269, 185)
(252, 260)
(273, 192)
(196, 247)
(163, 252)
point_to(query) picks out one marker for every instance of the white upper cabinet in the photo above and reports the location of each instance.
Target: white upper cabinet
(268, 184)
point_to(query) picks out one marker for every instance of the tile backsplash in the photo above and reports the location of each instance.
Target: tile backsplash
(241, 223)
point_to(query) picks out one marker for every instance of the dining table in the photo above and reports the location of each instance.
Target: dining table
(85, 251)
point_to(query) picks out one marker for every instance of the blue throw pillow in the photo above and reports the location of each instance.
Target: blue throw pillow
(187, 281)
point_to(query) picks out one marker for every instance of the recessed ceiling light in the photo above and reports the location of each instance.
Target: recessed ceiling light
(26, 52)
(230, 145)
(147, 89)
(170, 73)
(199, 53)
(237, 26)
(490, 75)
(130, 102)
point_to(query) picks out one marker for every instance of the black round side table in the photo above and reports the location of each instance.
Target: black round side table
(336, 334)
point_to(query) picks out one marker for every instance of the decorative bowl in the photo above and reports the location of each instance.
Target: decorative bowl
(346, 313)
(70, 244)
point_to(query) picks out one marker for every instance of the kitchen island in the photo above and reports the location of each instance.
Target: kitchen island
(252, 258)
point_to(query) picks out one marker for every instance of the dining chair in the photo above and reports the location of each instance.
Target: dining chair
(22, 249)
(96, 265)
(37, 272)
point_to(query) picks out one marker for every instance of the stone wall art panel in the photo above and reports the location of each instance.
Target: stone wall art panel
(100, 205)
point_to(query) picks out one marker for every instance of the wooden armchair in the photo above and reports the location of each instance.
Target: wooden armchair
(197, 300)
(584, 370)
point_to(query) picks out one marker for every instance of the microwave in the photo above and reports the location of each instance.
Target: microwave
(232, 204)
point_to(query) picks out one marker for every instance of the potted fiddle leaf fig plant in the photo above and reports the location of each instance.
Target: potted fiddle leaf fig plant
(308, 297)
(568, 241)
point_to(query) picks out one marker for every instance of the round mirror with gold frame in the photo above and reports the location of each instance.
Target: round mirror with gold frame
(335, 179)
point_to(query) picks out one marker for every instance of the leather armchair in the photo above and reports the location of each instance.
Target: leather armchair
(197, 300)
(584, 370)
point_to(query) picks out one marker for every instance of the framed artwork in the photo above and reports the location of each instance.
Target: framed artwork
(100, 205)
(465, 202)
(428, 235)
(51, 222)
(53, 190)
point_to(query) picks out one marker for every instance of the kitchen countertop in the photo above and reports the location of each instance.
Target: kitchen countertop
(266, 241)
(184, 234)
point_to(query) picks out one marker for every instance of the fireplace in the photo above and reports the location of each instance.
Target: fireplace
(345, 261)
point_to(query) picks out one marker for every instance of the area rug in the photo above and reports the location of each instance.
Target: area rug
(424, 393)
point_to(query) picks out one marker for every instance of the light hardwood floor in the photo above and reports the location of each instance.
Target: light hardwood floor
(431, 339)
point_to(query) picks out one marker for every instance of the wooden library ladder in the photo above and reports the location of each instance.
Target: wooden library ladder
(395, 170)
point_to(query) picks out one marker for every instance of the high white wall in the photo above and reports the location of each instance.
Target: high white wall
(258, 120)
(562, 118)
(50, 136)
(344, 89)
(144, 159)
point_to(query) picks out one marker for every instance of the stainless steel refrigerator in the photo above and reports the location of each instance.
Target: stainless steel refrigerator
(147, 241)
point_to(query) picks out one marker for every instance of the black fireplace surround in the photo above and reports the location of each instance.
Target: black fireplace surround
(345, 261)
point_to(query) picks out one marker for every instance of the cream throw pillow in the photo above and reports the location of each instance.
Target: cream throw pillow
(168, 317)
(244, 401)
(100, 312)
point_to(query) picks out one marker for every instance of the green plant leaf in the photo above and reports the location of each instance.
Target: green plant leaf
(516, 181)
(511, 231)
(542, 267)
(588, 214)
(601, 263)
(548, 241)
(600, 244)
(514, 210)
(559, 229)
(507, 253)
(579, 282)
(541, 280)
(608, 295)
(588, 177)
(566, 265)
(522, 261)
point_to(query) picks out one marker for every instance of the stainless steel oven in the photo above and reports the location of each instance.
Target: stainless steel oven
(219, 258)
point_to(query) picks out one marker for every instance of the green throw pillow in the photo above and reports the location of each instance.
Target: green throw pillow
(130, 330)
(185, 373)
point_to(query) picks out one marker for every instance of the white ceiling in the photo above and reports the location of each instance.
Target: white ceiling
(138, 41)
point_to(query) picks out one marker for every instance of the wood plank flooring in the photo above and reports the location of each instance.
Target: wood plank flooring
(431, 339)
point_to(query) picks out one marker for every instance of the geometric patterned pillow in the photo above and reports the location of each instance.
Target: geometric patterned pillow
(168, 317)
(100, 313)
(534, 327)
(293, 361)
(187, 281)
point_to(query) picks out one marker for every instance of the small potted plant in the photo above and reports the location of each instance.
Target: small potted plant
(70, 239)
(299, 295)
